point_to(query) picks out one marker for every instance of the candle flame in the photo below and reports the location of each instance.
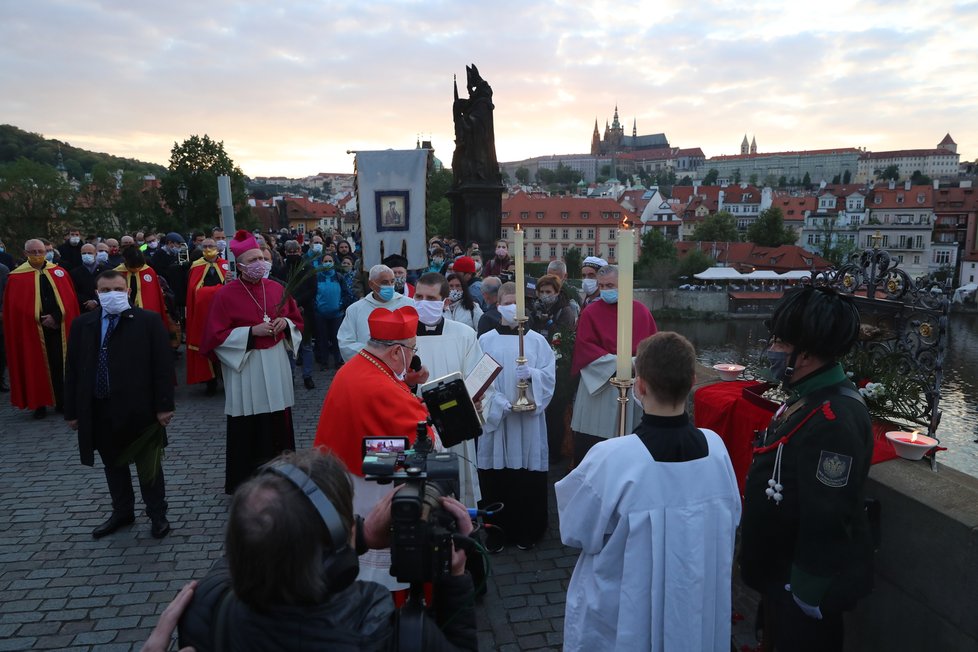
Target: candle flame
(518, 227)
(913, 436)
(625, 224)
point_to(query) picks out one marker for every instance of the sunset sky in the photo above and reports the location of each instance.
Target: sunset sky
(290, 86)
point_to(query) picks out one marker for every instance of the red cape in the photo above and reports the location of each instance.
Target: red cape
(199, 368)
(236, 305)
(597, 332)
(365, 400)
(149, 292)
(30, 380)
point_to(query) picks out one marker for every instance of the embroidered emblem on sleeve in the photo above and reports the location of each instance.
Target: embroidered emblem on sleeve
(833, 469)
(148, 278)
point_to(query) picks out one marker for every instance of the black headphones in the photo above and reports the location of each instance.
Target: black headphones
(340, 563)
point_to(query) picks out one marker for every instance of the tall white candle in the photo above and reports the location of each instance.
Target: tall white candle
(520, 280)
(626, 276)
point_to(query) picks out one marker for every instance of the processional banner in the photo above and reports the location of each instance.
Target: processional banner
(391, 197)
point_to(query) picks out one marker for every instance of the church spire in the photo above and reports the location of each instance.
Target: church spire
(634, 128)
(744, 146)
(753, 145)
(615, 124)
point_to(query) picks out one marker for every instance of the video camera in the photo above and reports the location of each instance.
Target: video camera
(421, 529)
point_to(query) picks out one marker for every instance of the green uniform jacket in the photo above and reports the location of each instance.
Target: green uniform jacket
(818, 538)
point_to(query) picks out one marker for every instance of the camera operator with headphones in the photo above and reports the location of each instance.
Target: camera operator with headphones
(288, 581)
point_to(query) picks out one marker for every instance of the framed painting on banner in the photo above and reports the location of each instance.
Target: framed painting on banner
(393, 210)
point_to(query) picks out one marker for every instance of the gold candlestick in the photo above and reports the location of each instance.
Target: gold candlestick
(523, 402)
(623, 401)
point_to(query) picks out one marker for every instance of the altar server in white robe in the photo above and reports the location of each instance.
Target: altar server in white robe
(354, 330)
(513, 458)
(446, 347)
(654, 514)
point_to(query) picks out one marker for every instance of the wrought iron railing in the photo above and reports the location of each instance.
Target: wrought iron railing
(903, 338)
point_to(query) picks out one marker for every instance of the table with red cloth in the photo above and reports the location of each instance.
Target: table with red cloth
(738, 415)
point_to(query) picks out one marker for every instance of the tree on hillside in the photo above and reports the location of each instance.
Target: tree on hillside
(94, 209)
(846, 177)
(657, 261)
(711, 177)
(918, 178)
(34, 201)
(806, 180)
(782, 181)
(719, 227)
(693, 263)
(522, 175)
(832, 246)
(438, 209)
(573, 260)
(685, 181)
(138, 205)
(196, 163)
(890, 173)
(768, 230)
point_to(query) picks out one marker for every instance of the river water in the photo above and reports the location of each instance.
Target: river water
(739, 340)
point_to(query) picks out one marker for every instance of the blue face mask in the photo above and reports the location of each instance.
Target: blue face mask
(327, 266)
(777, 365)
(609, 296)
(386, 292)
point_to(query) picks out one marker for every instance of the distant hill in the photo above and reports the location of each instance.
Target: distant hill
(16, 143)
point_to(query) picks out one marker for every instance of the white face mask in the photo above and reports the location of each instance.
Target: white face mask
(74, 239)
(508, 313)
(455, 296)
(114, 302)
(429, 312)
(401, 376)
(589, 285)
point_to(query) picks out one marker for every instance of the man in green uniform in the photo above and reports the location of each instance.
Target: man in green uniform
(805, 538)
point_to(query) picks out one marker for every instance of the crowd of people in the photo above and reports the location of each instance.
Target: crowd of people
(93, 327)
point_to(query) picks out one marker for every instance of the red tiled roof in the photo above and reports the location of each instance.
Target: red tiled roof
(898, 198)
(808, 152)
(795, 208)
(693, 151)
(905, 153)
(552, 207)
(746, 256)
(947, 140)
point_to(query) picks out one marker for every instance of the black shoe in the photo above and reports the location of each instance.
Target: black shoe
(40, 413)
(161, 527)
(308, 382)
(113, 523)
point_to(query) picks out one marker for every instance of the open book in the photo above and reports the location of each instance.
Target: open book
(482, 376)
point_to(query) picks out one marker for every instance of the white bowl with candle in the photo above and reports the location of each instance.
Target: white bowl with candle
(729, 371)
(910, 445)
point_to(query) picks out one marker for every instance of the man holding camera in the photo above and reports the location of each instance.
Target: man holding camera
(287, 582)
(370, 397)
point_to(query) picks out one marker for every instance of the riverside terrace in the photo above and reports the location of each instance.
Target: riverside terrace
(60, 589)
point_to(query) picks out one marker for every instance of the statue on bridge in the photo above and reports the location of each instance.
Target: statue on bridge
(474, 160)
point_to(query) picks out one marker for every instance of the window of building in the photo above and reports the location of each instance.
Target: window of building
(605, 215)
(942, 257)
(616, 215)
(899, 198)
(505, 214)
(919, 242)
(502, 234)
(536, 234)
(590, 234)
(536, 251)
(553, 252)
(579, 233)
(921, 197)
(590, 251)
(585, 215)
(564, 215)
(524, 215)
(565, 234)
(612, 234)
(878, 199)
(811, 238)
(539, 215)
(916, 260)
(553, 234)
(611, 252)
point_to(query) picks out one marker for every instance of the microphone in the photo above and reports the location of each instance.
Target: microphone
(415, 364)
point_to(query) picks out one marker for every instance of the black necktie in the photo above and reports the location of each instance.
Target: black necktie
(102, 371)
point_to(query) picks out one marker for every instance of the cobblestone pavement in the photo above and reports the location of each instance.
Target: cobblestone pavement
(60, 589)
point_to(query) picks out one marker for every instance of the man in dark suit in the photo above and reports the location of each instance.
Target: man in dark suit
(119, 397)
(84, 277)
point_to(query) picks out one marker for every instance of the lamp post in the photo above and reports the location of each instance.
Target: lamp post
(182, 193)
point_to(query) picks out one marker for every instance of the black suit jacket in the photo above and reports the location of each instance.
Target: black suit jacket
(85, 284)
(140, 380)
